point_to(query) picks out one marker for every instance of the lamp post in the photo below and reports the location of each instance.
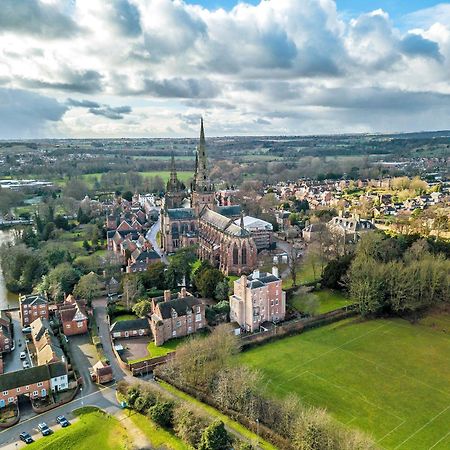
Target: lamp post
(81, 392)
(257, 428)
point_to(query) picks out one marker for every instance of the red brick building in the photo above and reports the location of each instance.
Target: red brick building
(32, 307)
(72, 314)
(176, 316)
(6, 341)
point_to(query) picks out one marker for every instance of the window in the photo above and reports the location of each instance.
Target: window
(62, 378)
(198, 317)
(40, 384)
(189, 319)
(178, 323)
(244, 255)
(6, 341)
(271, 302)
(276, 302)
(68, 325)
(35, 393)
(43, 392)
(235, 255)
(79, 324)
(5, 392)
(174, 333)
(27, 388)
(35, 313)
(189, 329)
(18, 389)
(197, 309)
(10, 399)
(25, 312)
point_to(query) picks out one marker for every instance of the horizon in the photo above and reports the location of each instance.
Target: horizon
(141, 69)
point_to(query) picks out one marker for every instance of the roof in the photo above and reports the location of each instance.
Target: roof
(32, 375)
(181, 213)
(180, 305)
(230, 211)
(127, 325)
(34, 299)
(223, 223)
(147, 254)
(253, 223)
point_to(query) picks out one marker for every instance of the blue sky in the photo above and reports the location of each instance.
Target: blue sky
(153, 67)
(395, 8)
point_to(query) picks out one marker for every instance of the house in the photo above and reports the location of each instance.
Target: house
(140, 260)
(35, 382)
(32, 307)
(257, 298)
(176, 316)
(72, 314)
(6, 329)
(130, 328)
(48, 349)
(101, 373)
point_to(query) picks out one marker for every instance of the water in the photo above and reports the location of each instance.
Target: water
(7, 299)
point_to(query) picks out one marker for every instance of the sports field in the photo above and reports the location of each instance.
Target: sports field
(389, 378)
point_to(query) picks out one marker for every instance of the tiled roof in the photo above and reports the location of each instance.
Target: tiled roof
(223, 223)
(181, 213)
(34, 299)
(128, 325)
(180, 305)
(229, 211)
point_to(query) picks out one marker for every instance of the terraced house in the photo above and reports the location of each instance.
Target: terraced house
(32, 307)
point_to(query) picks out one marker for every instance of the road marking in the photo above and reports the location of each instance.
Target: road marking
(440, 440)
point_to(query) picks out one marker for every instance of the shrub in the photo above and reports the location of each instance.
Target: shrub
(215, 437)
(188, 426)
(162, 413)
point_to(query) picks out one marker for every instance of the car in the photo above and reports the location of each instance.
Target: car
(44, 429)
(26, 330)
(25, 437)
(25, 365)
(63, 421)
(23, 355)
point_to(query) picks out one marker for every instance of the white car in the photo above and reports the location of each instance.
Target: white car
(25, 365)
(23, 355)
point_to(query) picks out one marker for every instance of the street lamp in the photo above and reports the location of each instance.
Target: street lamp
(257, 427)
(81, 392)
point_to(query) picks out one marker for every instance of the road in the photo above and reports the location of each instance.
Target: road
(151, 236)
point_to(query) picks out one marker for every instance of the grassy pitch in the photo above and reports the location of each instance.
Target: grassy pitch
(388, 378)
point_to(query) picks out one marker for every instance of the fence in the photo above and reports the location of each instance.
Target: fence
(298, 326)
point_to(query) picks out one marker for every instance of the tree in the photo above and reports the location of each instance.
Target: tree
(61, 280)
(188, 425)
(180, 267)
(132, 288)
(128, 195)
(162, 413)
(222, 291)
(334, 272)
(154, 276)
(207, 281)
(215, 437)
(88, 287)
(142, 308)
(294, 254)
(76, 189)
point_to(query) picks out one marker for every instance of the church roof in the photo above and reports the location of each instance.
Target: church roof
(223, 223)
(181, 213)
(230, 211)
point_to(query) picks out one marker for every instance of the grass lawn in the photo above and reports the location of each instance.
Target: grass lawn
(386, 377)
(154, 351)
(327, 300)
(157, 436)
(215, 414)
(306, 274)
(94, 429)
(124, 317)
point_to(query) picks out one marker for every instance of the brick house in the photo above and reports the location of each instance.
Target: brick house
(176, 316)
(130, 328)
(6, 339)
(257, 298)
(73, 316)
(101, 373)
(35, 382)
(48, 349)
(32, 307)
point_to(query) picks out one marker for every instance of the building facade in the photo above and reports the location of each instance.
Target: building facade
(257, 299)
(72, 314)
(176, 316)
(6, 340)
(227, 245)
(32, 307)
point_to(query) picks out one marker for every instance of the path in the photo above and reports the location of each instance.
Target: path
(151, 236)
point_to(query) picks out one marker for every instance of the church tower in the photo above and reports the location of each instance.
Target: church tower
(202, 188)
(175, 189)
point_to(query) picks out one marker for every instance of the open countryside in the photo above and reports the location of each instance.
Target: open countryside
(386, 377)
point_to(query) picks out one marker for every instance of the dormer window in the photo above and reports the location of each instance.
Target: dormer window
(174, 313)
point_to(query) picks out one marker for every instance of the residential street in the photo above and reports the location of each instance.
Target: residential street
(151, 236)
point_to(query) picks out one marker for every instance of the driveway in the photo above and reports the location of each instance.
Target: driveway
(151, 236)
(135, 348)
(12, 360)
(84, 357)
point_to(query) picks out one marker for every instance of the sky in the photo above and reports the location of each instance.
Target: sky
(151, 68)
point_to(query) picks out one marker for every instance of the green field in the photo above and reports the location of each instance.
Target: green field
(164, 174)
(93, 430)
(325, 301)
(386, 377)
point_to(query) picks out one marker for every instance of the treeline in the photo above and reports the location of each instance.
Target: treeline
(387, 277)
(206, 368)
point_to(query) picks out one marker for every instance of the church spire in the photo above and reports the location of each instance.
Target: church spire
(202, 181)
(202, 149)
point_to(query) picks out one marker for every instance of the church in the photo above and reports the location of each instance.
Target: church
(194, 217)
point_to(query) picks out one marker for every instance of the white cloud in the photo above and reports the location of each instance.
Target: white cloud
(291, 66)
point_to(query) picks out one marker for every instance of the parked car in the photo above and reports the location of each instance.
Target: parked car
(25, 365)
(26, 330)
(44, 429)
(25, 437)
(23, 355)
(63, 421)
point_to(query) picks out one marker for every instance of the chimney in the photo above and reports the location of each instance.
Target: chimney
(167, 295)
(182, 293)
(275, 271)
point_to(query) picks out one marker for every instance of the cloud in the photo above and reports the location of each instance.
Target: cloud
(114, 113)
(35, 18)
(26, 114)
(416, 45)
(82, 103)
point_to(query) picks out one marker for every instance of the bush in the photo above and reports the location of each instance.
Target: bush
(162, 413)
(188, 426)
(215, 437)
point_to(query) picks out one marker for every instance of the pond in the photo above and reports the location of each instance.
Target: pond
(7, 299)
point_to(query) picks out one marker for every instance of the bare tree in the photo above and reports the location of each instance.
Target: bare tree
(294, 256)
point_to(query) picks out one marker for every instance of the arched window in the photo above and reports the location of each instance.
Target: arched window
(235, 255)
(244, 255)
